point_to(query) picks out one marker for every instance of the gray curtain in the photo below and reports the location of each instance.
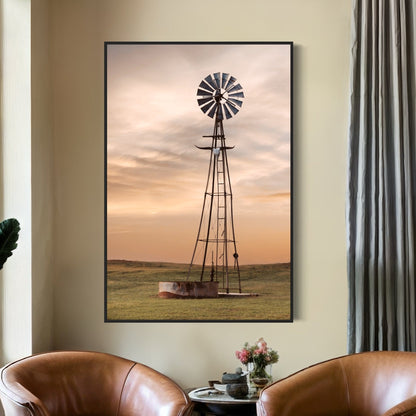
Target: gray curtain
(381, 190)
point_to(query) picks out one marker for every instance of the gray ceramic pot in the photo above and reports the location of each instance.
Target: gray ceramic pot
(237, 391)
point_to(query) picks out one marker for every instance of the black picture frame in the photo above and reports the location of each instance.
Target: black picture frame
(156, 181)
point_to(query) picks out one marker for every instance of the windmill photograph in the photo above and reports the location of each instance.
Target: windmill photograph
(198, 182)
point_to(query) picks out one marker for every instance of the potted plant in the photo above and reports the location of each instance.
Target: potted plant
(9, 234)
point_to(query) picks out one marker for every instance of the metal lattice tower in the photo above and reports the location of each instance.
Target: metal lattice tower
(218, 96)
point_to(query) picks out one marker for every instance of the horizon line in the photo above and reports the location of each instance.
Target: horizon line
(180, 262)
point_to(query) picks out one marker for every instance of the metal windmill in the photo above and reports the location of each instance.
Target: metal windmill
(219, 96)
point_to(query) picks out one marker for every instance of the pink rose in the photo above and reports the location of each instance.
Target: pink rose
(243, 356)
(261, 346)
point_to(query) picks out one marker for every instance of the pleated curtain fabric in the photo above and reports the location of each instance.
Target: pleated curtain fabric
(381, 190)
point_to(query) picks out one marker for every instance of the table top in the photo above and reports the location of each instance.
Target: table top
(211, 395)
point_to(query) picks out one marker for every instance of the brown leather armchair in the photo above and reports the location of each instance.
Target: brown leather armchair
(78, 383)
(381, 383)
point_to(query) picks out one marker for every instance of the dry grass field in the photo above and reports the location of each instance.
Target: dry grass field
(132, 294)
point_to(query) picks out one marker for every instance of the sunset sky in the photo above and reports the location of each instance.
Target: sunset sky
(156, 176)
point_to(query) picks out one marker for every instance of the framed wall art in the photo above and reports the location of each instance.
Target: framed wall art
(198, 182)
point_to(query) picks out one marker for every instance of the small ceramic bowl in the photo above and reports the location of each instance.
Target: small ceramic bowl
(237, 391)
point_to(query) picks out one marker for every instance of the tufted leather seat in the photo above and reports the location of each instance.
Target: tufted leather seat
(78, 383)
(381, 383)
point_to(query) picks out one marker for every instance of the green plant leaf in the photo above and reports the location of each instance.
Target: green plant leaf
(9, 234)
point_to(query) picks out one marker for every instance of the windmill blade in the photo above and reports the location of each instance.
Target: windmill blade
(206, 86)
(238, 102)
(210, 81)
(237, 94)
(217, 79)
(224, 79)
(232, 107)
(213, 110)
(230, 82)
(227, 112)
(203, 101)
(206, 107)
(203, 93)
(235, 88)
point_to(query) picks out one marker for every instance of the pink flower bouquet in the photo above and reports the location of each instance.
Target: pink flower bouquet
(259, 354)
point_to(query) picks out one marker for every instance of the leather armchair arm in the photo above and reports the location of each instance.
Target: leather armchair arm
(405, 408)
(148, 392)
(319, 390)
(22, 402)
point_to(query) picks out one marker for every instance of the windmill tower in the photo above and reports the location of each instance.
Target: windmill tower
(219, 96)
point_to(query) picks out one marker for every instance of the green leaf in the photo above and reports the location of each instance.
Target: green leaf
(9, 234)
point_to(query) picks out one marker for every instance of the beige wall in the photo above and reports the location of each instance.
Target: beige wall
(26, 177)
(42, 181)
(15, 175)
(190, 352)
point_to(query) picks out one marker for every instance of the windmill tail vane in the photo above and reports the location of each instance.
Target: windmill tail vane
(219, 96)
